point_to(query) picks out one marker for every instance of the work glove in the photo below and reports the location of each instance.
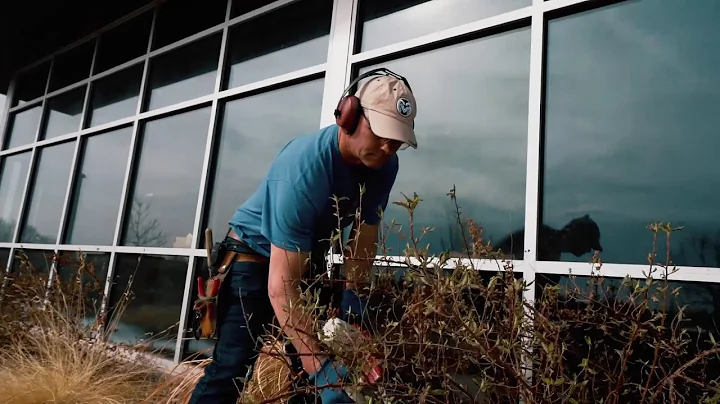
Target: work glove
(330, 373)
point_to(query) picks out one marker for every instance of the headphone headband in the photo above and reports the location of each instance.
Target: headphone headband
(381, 71)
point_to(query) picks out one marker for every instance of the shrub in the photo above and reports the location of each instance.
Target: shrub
(462, 335)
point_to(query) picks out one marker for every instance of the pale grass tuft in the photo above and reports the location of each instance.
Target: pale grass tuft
(51, 364)
(272, 375)
(177, 388)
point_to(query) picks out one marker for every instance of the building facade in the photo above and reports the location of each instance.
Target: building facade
(548, 118)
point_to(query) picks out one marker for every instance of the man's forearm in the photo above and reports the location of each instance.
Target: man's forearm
(296, 325)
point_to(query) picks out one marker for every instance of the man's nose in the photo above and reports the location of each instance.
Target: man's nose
(390, 147)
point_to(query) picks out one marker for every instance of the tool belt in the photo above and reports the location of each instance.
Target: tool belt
(220, 257)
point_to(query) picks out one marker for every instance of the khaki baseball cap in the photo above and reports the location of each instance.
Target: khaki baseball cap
(390, 107)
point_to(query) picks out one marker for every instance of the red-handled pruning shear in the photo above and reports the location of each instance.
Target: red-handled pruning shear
(206, 304)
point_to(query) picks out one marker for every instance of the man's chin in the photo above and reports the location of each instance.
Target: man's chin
(374, 164)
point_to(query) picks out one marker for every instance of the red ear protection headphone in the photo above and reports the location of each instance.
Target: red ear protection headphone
(349, 110)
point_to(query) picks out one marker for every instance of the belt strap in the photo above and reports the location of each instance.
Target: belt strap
(229, 258)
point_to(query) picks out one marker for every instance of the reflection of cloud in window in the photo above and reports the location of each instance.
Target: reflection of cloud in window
(12, 187)
(64, 112)
(185, 73)
(24, 125)
(632, 121)
(254, 131)
(48, 194)
(169, 170)
(697, 297)
(98, 187)
(302, 55)
(472, 130)
(429, 16)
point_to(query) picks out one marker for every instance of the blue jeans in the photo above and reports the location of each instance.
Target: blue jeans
(244, 310)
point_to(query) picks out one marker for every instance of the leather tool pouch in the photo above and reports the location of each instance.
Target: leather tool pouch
(208, 292)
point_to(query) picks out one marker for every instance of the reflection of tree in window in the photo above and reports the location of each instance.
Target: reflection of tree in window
(7, 229)
(31, 235)
(143, 229)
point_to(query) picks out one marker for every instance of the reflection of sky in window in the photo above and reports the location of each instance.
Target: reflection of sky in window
(631, 123)
(99, 187)
(115, 97)
(428, 17)
(168, 174)
(699, 297)
(64, 112)
(24, 126)
(254, 131)
(472, 129)
(185, 73)
(300, 56)
(12, 186)
(48, 194)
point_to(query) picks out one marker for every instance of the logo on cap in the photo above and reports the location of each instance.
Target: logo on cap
(404, 107)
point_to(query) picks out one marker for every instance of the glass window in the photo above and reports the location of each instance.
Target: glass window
(161, 211)
(31, 84)
(72, 66)
(568, 300)
(115, 97)
(184, 74)
(123, 43)
(42, 217)
(12, 187)
(631, 132)
(250, 137)
(98, 188)
(385, 22)
(4, 256)
(83, 274)
(33, 262)
(64, 113)
(472, 122)
(243, 7)
(150, 318)
(178, 19)
(23, 127)
(274, 51)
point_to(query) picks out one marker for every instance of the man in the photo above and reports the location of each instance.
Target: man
(286, 226)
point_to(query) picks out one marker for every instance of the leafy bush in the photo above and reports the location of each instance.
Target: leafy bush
(456, 334)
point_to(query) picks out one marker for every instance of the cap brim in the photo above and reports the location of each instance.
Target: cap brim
(390, 128)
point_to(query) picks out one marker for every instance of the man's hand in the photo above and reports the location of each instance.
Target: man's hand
(330, 374)
(286, 269)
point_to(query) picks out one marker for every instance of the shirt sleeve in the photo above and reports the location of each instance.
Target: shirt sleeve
(288, 217)
(377, 199)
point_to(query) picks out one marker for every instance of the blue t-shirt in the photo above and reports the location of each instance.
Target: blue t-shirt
(293, 208)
